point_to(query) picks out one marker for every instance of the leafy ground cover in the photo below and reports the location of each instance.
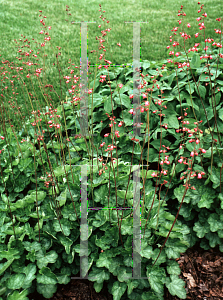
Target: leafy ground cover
(201, 270)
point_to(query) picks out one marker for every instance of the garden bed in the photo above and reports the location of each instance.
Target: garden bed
(201, 271)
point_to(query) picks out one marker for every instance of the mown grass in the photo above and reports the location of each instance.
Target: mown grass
(23, 18)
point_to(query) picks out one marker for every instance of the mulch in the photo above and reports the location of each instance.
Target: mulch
(201, 270)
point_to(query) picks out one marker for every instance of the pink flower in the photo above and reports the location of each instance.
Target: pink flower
(131, 111)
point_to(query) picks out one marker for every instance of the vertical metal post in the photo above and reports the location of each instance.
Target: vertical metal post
(84, 80)
(136, 78)
(136, 181)
(84, 132)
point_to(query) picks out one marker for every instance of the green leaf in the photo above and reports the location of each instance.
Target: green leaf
(36, 246)
(98, 275)
(2, 291)
(220, 113)
(145, 64)
(125, 100)
(65, 241)
(44, 260)
(213, 238)
(97, 98)
(123, 275)
(220, 196)
(95, 84)
(205, 201)
(103, 261)
(174, 248)
(190, 88)
(156, 277)
(10, 254)
(98, 287)
(191, 103)
(127, 226)
(63, 279)
(30, 272)
(100, 218)
(29, 199)
(147, 252)
(64, 223)
(121, 194)
(109, 239)
(18, 296)
(179, 192)
(46, 276)
(15, 281)
(175, 286)
(24, 163)
(202, 91)
(99, 194)
(215, 223)
(60, 170)
(62, 198)
(170, 78)
(150, 296)
(4, 266)
(131, 285)
(118, 289)
(173, 267)
(215, 176)
(195, 61)
(107, 105)
(216, 100)
(47, 290)
(162, 257)
(114, 267)
(201, 229)
(21, 182)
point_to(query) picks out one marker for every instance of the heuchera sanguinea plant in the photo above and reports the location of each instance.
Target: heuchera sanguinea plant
(179, 154)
